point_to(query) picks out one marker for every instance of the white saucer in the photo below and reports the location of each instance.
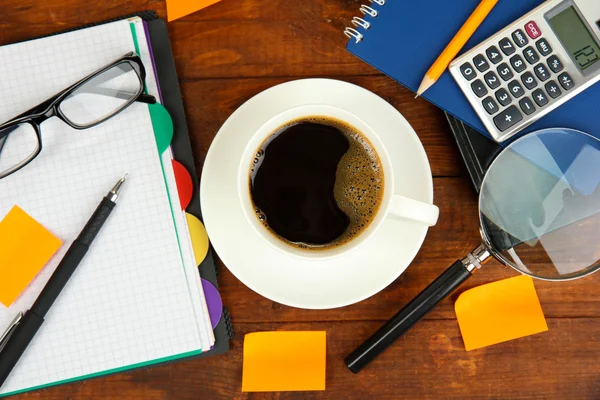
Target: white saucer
(289, 280)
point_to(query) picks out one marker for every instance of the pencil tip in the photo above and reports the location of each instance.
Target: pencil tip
(425, 84)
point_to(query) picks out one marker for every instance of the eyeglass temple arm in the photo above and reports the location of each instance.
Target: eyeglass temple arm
(122, 94)
(146, 99)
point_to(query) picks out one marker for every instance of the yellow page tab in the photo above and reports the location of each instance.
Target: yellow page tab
(499, 311)
(25, 247)
(284, 361)
(199, 237)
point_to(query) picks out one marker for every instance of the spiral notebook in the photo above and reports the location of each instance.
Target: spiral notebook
(403, 39)
(137, 298)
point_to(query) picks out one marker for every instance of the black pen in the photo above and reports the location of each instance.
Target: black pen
(24, 327)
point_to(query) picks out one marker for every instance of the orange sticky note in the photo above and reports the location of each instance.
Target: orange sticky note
(180, 8)
(284, 361)
(499, 311)
(25, 247)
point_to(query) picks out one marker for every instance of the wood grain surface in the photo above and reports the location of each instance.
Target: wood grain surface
(231, 51)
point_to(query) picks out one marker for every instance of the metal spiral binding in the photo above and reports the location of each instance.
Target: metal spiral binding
(366, 10)
(359, 22)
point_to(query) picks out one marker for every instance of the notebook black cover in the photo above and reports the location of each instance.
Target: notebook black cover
(477, 150)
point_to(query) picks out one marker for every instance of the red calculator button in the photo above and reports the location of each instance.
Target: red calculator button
(532, 30)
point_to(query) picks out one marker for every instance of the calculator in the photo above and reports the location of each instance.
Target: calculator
(532, 66)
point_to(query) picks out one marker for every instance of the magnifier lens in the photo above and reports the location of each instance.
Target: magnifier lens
(540, 204)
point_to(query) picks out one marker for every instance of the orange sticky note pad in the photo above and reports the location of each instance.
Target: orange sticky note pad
(25, 247)
(284, 361)
(180, 8)
(499, 311)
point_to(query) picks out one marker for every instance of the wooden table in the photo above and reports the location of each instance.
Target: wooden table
(226, 54)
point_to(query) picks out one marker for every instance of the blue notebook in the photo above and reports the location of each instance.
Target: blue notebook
(406, 37)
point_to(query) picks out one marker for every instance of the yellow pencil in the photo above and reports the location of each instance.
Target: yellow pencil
(457, 43)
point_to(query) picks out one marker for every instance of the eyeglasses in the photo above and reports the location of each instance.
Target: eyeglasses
(87, 103)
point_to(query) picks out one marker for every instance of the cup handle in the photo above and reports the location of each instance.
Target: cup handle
(415, 210)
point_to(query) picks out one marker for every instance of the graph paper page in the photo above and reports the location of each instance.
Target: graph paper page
(128, 302)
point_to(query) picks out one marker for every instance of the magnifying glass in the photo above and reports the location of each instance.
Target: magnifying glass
(539, 210)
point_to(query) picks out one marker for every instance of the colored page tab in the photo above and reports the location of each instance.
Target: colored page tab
(25, 247)
(180, 8)
(284, 361)
(499, 311)
(185, 186)
(162, 125)
(198, 236)
(213, 302)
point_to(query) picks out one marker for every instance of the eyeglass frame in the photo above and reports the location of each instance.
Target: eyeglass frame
(50, 108)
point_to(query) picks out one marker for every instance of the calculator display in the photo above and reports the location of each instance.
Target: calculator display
(575, 37)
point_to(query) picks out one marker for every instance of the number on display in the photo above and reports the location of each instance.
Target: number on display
(586, 56)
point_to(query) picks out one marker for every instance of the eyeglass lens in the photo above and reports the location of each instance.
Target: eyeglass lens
(102, 96)
(18, 145)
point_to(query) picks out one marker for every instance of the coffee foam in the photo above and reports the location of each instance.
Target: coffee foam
(358, 188)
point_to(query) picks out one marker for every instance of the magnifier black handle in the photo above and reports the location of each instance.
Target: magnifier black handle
(439, 289)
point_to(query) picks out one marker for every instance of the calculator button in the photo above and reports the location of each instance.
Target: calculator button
(504, 71)
(540, 98)
(532, 30)
(566, 81)
(553, 90)
(468, 72)
(508, 118)
(555, 64)
(542, 72)
(527, 105)
(531, 55)
(520, 38)
(503, 97)
(479, 88)
(490, 105)
(543, 47)
(480, 63)
(517, 63)
(493, 54)
(516, 89)
(492, 80)
(506, 46)
(529, 80)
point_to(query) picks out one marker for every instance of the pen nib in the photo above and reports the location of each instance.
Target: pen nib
(114, 193)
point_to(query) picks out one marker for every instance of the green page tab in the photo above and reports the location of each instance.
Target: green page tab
(163, 126)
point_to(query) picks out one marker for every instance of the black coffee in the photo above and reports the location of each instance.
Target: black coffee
(316, 183)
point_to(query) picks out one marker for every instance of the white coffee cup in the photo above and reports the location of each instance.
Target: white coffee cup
(393, 205)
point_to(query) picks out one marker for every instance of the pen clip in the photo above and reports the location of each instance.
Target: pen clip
(9, 331)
